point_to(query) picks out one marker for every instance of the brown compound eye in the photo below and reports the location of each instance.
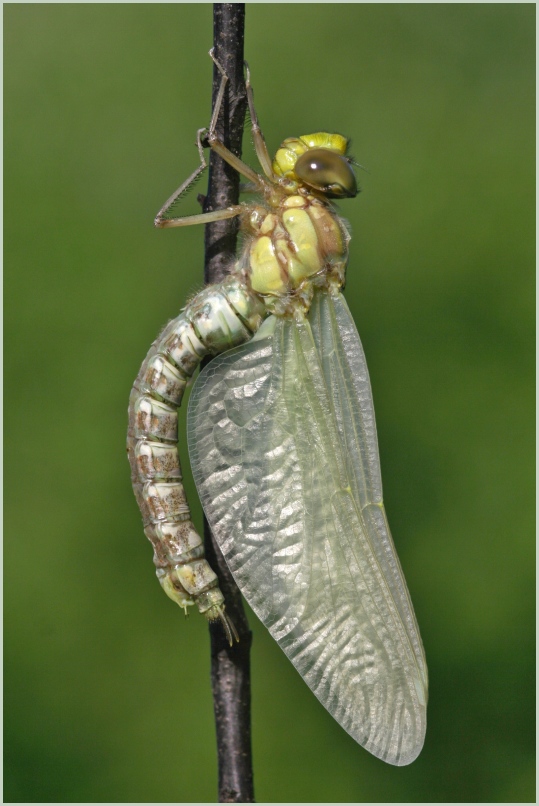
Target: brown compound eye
(328, 172)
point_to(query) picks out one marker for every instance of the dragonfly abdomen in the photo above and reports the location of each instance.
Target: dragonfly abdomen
(218, 318)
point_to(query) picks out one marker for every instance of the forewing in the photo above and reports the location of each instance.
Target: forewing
(347, 380)
(286, 500)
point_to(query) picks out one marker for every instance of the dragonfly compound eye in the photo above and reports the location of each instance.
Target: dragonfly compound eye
(324, 170)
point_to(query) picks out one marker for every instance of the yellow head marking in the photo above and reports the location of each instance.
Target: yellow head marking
(294, 147)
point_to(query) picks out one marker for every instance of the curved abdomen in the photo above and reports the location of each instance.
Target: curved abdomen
(219, 318)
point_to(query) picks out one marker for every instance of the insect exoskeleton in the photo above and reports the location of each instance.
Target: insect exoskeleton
(220, 317)
(283, 448)
(296, 236)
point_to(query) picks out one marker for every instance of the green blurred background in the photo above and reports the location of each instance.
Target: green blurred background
(107, 694)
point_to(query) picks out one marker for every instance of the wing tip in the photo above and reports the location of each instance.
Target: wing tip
(400, 753)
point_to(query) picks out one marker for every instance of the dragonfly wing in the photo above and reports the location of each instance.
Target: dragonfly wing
(347, 378)
(287, 501)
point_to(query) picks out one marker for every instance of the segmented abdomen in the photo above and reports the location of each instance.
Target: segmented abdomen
(219, 318)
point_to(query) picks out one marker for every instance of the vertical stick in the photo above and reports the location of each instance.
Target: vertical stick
(230, 670)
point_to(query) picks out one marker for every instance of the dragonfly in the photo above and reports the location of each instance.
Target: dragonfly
(283, 446)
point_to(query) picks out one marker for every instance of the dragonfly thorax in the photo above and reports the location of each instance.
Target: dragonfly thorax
(296, 243)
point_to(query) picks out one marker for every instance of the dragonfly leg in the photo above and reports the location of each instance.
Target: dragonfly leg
(210, 136)
(258, 138)
(203, 218)
(218, 146)
(159, 218)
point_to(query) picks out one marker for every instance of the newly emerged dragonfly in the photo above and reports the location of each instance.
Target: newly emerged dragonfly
(283, 448)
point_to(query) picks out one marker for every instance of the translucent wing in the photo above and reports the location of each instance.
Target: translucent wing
(283, 449)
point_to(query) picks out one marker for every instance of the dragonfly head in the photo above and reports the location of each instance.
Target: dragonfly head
(319, 162)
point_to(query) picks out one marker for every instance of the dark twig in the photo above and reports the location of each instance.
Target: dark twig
(230, 672)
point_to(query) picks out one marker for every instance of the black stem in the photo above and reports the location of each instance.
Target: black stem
(230, 666)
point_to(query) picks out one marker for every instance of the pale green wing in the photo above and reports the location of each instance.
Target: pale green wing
(297, 512)
(347, 378)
